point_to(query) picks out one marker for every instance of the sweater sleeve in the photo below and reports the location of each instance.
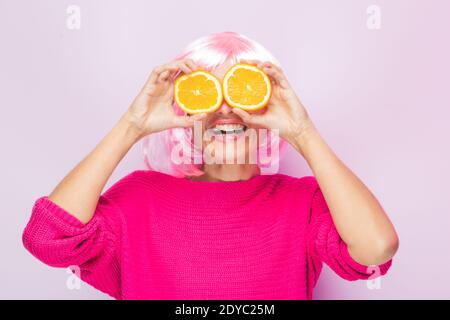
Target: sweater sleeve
(59, 239)
(325, 245)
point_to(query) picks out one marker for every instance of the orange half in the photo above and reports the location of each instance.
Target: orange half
(198, 92)
(246, 87)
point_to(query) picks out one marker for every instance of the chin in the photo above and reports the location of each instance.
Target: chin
(230, 152)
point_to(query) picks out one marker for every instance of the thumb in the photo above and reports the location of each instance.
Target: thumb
(186, 121)
(255, 119)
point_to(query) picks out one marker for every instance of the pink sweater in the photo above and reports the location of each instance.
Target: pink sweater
(154, 236)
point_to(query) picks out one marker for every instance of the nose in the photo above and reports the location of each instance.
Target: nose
(224, 108)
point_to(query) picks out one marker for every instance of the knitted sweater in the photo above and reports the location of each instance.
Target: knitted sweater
(155, 236)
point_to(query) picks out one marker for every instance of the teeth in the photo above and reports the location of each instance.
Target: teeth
(229, 129)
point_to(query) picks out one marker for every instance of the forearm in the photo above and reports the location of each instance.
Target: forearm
(357, 214)
(78, 193)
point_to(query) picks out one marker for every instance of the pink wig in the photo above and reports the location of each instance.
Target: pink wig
(209, 52)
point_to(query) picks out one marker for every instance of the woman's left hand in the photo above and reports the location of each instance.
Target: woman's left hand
(284, 111)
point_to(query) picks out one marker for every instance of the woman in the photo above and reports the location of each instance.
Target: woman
(211, 230)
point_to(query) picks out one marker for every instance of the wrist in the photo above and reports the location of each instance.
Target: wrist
(128, 130)
(302, 135)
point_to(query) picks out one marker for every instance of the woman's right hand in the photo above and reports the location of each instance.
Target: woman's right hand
(152, 111)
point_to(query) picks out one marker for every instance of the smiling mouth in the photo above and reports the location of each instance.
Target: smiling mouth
(228, 129)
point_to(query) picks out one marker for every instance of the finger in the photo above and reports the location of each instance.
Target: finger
(164, 75)
(156, 73)
(177, 65)
(183, 66)
(272, 75)
(277, 75)
(249, 118)
(250, 61)
(182, 121)
(272, 65)
(163, 72)
(191, 64)
(259, 64)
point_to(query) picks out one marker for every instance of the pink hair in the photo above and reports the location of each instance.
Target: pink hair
(209, 52)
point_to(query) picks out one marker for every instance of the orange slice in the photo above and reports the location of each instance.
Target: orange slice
(246, 87)
(198, 92)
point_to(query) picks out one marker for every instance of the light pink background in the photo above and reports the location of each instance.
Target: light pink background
(379, 97)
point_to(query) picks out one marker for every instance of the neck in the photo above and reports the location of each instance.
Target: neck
(228, 172)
